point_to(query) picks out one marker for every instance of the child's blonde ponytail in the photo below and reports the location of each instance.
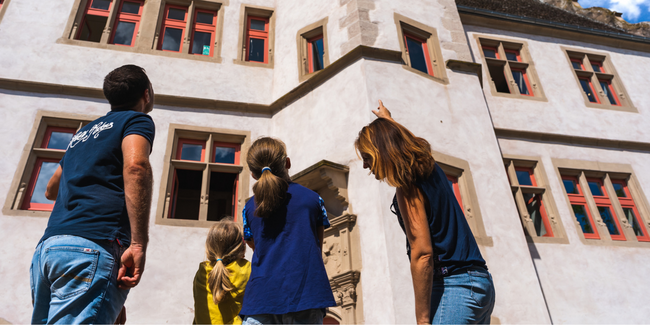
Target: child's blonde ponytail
(225, 244)
(267, 159)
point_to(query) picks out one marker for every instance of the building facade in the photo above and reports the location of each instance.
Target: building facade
(538, 123)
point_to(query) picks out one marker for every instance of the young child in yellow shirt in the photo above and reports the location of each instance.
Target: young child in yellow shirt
(220, 281)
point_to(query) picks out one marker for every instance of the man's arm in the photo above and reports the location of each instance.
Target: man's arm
(417, 230)
(138, 183)
(52, 190)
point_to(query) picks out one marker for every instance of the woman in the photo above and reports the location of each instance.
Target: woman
(450, 277)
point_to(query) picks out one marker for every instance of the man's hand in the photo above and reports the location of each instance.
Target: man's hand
(382, 111)
(132, 266)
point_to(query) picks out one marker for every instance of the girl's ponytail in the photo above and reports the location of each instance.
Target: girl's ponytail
(225, 244)
(267, 159)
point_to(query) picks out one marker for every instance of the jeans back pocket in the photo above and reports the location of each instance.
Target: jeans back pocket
(70, 269)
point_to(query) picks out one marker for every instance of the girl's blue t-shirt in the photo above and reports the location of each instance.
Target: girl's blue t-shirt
(287, 270)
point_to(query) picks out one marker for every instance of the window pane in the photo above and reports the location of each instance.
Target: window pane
(124, 33)
(191, 151)
(187, 194)
(594, 187)
(172, 39)
(131, 7)
(177, 14)
(101, 4)
(583, 219)
(92, 28)
(521, 83)
(596, 67)
(533, 205)
(416, 55)
(576, 65)
(512, 56)
(620, 192)
(256, 50)
(222, 191)
(489, 53)
(59, 140)
(224, 155)
(608, 92)
(524, 178)
(570, 186)
(499, 78)
(258, 24)
(606, 215)
(201, 43)
(204, 18)
(631, 218)
(317, 54)
(47, 170)
(586, 87)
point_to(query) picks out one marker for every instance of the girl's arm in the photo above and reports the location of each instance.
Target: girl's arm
(250, 244)
(417, 231)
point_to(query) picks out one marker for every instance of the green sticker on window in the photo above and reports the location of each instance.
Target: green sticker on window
(206, 49)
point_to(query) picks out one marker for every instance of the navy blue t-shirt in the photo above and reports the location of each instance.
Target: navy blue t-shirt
(287, 271)
(90, 202)
(454, 246)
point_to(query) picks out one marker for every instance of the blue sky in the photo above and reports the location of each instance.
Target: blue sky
(634, 11)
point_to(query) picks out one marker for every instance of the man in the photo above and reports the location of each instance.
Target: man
(102, 190)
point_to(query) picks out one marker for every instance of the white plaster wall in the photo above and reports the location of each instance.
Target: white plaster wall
(165, 292)
(589, 284)
(566, 112)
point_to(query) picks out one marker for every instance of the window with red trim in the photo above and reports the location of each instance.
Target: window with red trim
(205, 180)
(513, 55)
(533, 198)
(521, 79)
(588, 89)
(491, 52)
(630, 212)
(579, 206)
(127, 23)
(597, 66)
(598, 81)
(453, 183)
(94, 20)
(507, 67)
(55, 140)
(577, 64)
(605, 208)
(315, 53)
(257, 39)
(609, 92)
(173, 27)
(203, 32)
(1, 3)
(418, 53)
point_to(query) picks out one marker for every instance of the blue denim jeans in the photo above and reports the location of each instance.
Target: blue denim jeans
(463, 298)
(74, 281)
(309, 316)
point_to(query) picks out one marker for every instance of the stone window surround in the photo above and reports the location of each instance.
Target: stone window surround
(210, 135)
(605, 171)
(429, 34)
(621, 93)
(32, 151)
(522, 46)
(543, 187)
(461, 170)
(146, 41)
(3, 8)
(258, 11)
(304, 34)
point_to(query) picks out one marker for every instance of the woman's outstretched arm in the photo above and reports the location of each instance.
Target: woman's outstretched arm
(412, 209)
(382, 112)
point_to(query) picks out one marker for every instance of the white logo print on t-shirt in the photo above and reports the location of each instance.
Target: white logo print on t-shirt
(85, 135)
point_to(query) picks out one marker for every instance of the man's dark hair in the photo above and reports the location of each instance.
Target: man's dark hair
(124, 86)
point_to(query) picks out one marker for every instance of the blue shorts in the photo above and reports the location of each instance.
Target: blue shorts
(466, 297)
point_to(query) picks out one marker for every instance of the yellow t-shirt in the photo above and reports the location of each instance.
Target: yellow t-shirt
(226, 312)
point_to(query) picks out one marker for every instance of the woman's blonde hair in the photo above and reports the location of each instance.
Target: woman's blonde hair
(398, 157)
(225, 244)
(272, 184)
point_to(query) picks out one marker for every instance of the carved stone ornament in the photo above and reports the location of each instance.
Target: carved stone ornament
(344, 287)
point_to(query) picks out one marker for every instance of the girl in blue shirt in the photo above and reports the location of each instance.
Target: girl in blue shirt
(283, 224)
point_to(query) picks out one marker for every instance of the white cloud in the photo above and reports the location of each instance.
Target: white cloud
(631, 8)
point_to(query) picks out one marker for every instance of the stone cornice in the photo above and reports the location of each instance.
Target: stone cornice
(572, 140)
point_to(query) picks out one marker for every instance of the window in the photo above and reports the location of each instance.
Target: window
(204, 182)
(94, 21)
(598, 81)
(203, 30)
(256, 37)
(510, 69)
(173, 28)
(1, 3)
(312, 49)
(127, 23)
(534, 201)
(420, 48)
(49, 140)
(605, 204)
(630, 211)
